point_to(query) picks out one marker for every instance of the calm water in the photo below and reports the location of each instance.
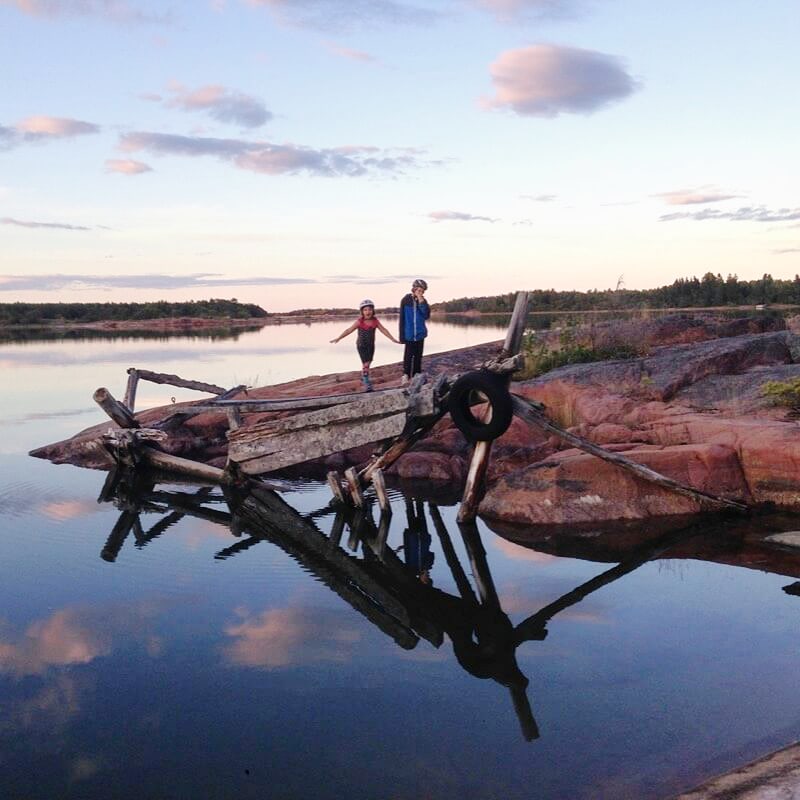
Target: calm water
(187, 662)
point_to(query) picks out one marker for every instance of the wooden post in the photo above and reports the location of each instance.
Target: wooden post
(118, 412)
(516, 327)
(379, 545)
(530, 413)
(337, 529)
(479, 463)
(234, 418)
(354, 485)
(380, 491)
(130, 390)
(475, 477)
(335, 484)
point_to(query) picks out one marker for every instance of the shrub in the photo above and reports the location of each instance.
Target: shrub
(783, 393)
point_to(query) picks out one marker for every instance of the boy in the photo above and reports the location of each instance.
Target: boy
(414, 311)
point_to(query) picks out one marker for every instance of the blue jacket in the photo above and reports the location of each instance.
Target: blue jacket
(412, 319)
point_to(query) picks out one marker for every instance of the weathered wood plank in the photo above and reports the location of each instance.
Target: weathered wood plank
(516, 327)
(354, 486)
(380, 491)
(176, 380)
(274, 444)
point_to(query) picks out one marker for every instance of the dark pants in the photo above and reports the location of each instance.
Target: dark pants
(412, 358)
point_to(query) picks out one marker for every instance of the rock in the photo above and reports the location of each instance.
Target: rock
(573, 487)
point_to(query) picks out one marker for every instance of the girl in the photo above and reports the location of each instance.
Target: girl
(365, 342)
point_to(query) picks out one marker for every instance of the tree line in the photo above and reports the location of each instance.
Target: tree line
(50, 313)
(710, 290)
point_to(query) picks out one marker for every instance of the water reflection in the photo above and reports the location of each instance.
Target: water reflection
(391, 588)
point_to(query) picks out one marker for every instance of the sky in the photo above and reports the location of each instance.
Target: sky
(313, 153)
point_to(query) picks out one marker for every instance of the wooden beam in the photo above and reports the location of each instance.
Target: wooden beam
(118, 412)
(335, 484)
(473, 487)
(354, 486)
(176, 380)
(380, 491)
(130, 390)
(516, 327)
(404, 442)
(531, 414)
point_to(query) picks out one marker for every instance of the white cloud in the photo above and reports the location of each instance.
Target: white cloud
(457, 216)
(744, 214)
(546, 80)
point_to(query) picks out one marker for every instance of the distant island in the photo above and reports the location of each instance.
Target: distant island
(205, 312)
(710, 291)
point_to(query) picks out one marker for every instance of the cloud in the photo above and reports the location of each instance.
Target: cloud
(786, 250)
(224, 105)
(353, 55)
(127, 166)
(688, 197)
(546, 80)
(540, 198)
(277, 159)
(285, 636)
(515, 10)
(344, 14)
(60, 282)
(42, 129)
(112, 10)
(744, 214)
(32, 224)
(457, 216)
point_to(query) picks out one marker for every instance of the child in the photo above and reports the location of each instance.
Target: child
(414, 310)
(365, 341)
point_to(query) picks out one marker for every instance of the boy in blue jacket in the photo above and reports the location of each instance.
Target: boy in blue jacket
(414, 311)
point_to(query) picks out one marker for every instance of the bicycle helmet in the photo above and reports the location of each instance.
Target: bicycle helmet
(365, 303)
(420, 284)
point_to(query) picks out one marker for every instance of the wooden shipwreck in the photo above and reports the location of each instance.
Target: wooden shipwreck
(303, 429)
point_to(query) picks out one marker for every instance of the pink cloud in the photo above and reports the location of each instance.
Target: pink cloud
(284, 636)
(113, 10)
(688, 197)
(127, 166)
(546, 80)
(55, 127)
(353, 55)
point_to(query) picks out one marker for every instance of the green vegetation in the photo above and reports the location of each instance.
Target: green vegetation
(575, 349)
(65, 313)
(710, 290)
(783, 393)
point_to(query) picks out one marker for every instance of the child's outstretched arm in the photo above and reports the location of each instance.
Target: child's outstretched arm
(387, 334)
(345, 332)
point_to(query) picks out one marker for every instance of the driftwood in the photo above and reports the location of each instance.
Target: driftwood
(531, 413)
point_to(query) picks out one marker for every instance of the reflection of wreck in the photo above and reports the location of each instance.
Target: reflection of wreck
(388, 591)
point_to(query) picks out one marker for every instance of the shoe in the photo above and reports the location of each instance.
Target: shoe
(404, 380)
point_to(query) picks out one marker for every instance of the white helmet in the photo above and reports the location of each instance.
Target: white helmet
(365, 303)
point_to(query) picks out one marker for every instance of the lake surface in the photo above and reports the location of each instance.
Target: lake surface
(160, 656)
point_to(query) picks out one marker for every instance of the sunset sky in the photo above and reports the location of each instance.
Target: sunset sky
(298, 153)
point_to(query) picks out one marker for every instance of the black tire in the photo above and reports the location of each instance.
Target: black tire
(460, 399)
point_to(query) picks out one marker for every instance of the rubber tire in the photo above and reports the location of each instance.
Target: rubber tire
(496, 391)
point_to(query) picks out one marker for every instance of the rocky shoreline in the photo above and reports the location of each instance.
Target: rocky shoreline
(691, 409)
